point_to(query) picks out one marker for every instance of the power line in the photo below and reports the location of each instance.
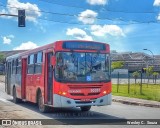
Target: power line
(54, 13)
(106, 10)
(65, 14)
(51, 20)
(83, 24)
(135, 22)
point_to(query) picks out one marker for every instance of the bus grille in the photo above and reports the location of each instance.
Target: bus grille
(81, 94)
(86, 88)
(84, 102)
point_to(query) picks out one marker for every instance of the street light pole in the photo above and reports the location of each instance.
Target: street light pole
(151, 53)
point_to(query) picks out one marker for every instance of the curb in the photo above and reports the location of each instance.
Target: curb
(136, 103)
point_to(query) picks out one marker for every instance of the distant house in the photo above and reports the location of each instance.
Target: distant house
(6, 54)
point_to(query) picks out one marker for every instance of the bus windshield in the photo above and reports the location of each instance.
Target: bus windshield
(82, 67)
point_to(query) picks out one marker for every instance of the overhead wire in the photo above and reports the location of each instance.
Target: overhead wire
(106, 9)
(65, 14)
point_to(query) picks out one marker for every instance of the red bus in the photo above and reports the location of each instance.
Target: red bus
(69, 73)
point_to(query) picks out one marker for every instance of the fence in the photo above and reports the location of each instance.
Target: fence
(120, 78)
(142, 87)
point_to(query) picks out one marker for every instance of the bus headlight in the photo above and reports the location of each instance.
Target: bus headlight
(62, 93)
(104, 92)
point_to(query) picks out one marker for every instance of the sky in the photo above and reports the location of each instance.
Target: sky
(126, 25)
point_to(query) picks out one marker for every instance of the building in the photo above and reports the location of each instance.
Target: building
(9, 53)
(136, 61)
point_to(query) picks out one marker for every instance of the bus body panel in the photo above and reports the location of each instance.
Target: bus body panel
(27, 85)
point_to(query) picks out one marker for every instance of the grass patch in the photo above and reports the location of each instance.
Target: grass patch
(152, 92)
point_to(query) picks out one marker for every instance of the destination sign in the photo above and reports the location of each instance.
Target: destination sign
(84, 46)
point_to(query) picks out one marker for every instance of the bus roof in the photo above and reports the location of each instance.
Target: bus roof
(47, 46)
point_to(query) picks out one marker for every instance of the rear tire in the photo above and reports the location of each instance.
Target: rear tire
(85, 108)
(42, 108)
(15, 99)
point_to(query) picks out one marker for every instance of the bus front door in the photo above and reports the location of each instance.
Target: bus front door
(24, 73)
(48, 79)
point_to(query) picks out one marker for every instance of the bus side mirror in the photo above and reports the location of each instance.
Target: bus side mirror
(53, 61)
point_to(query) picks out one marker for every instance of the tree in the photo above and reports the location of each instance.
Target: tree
(135, 75)
(2, 58)
(117, 64)
(149, 72)
(155, 75)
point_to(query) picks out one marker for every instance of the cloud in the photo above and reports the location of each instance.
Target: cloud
(158, 17)
(78, 34)
(6, 40)
(87, 17)
(27, 45)
(97, 2)
(30, 15)
(3, 11)
(112, 30)
(11, 36)
(156, 3)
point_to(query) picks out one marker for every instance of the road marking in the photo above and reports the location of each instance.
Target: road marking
(4, 100)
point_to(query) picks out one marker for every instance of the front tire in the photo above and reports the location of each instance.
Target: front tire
(42, 108)
(85, 108)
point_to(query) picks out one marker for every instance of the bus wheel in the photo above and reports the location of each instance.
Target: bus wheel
(85, 108)
(41, 106)
(15, 99)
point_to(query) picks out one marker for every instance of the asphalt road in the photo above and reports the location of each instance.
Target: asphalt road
(27, 110)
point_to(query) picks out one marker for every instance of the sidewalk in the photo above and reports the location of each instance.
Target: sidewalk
(2, 78)
(135, 101)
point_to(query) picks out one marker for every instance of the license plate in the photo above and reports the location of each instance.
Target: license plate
(85, 99)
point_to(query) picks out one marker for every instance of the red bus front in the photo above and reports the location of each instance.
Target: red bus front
(81, 74)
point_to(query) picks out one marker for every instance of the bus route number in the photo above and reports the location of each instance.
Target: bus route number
(95, 90)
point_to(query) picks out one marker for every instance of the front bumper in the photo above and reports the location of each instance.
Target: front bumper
(60, 101)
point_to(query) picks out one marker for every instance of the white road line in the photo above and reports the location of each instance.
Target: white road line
(4, 100)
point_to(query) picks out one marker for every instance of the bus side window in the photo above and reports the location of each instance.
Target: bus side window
(38, 62)
(14, 67)
(18, 66)
(30, 64)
